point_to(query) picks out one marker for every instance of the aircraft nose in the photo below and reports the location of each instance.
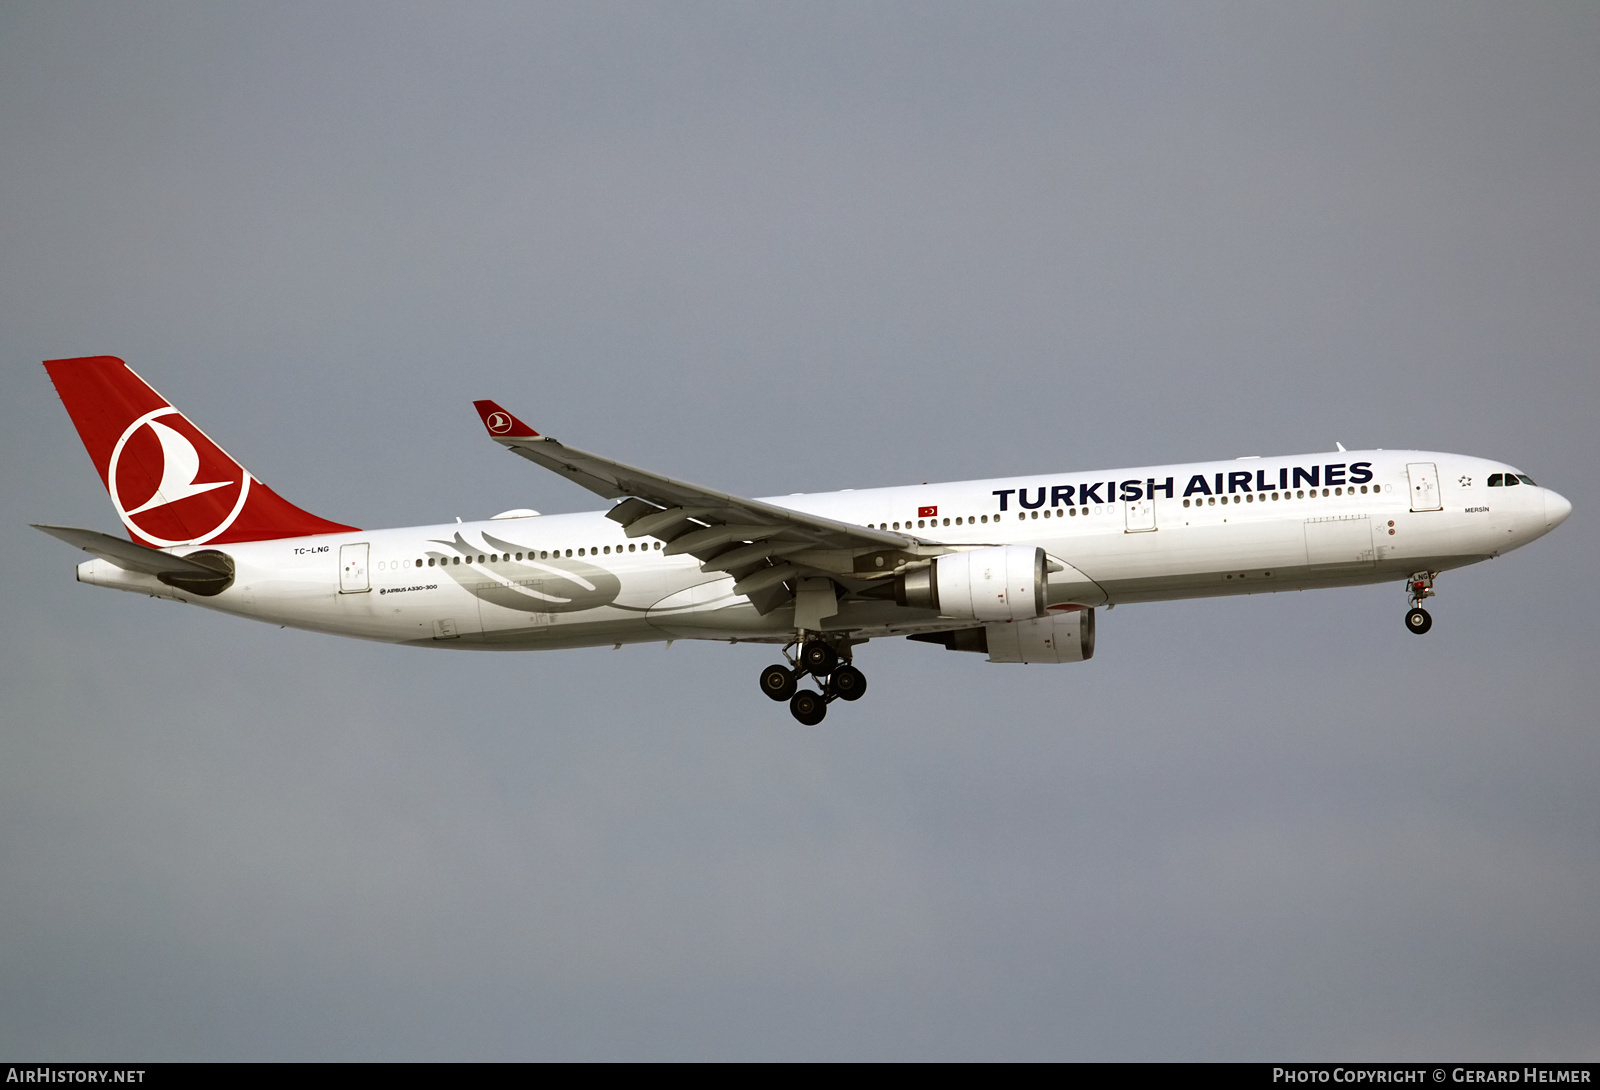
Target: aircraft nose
(1556, 508)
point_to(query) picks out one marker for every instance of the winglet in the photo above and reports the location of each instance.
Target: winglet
(501, 424)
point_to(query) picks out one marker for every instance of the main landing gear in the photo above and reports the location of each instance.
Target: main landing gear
(838, 680)
(1420, 585)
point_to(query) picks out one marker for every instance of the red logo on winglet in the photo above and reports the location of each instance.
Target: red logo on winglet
(927, 512)
(500, 423)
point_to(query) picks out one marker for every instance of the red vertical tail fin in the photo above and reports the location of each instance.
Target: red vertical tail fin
(170, 484)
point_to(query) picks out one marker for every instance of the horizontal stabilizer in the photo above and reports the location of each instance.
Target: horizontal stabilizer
(127, 554)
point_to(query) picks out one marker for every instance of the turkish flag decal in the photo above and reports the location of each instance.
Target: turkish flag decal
(927, 512)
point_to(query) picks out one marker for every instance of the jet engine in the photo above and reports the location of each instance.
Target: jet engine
(999, 583)
(1060, 637)
(1064, 636)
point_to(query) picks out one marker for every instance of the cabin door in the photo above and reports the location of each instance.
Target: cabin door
(353, 569)
(1141, 515)
(1424, 486)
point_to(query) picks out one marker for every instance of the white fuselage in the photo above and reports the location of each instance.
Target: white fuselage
(578, 580)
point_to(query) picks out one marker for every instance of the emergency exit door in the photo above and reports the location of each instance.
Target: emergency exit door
(353, 569)
(1424, 486)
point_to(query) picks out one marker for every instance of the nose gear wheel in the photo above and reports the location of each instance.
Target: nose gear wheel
(1420, 588)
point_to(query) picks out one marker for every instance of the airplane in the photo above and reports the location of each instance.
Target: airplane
(1012, 568)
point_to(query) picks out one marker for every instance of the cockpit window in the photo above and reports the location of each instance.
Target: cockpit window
(1524, 478)
(1511, 479)
(1496, 480)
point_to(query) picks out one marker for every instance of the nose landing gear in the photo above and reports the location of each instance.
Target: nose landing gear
(1420, 585)
(839, 680)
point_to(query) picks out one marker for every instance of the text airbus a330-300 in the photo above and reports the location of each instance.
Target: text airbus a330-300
(1013, 569)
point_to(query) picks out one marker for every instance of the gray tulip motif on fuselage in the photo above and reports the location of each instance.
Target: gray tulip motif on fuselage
(556, 585)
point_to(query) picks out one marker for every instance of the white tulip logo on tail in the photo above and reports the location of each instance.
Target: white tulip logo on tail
(180, 470)
(180, 480)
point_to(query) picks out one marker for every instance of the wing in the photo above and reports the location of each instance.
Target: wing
(766, 548)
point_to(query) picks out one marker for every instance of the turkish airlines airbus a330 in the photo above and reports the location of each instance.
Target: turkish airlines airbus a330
(1012, 568)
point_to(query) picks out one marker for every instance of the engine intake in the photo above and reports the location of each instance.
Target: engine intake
(999, 583)
(1060, 637)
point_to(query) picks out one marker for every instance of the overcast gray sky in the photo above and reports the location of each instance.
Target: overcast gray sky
(801, 247)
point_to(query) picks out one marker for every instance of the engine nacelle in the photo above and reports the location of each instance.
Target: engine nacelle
(1000, 583)
(1060, 637)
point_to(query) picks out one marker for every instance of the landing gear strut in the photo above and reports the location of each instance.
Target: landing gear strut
(1420, 585)
(832, 670)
